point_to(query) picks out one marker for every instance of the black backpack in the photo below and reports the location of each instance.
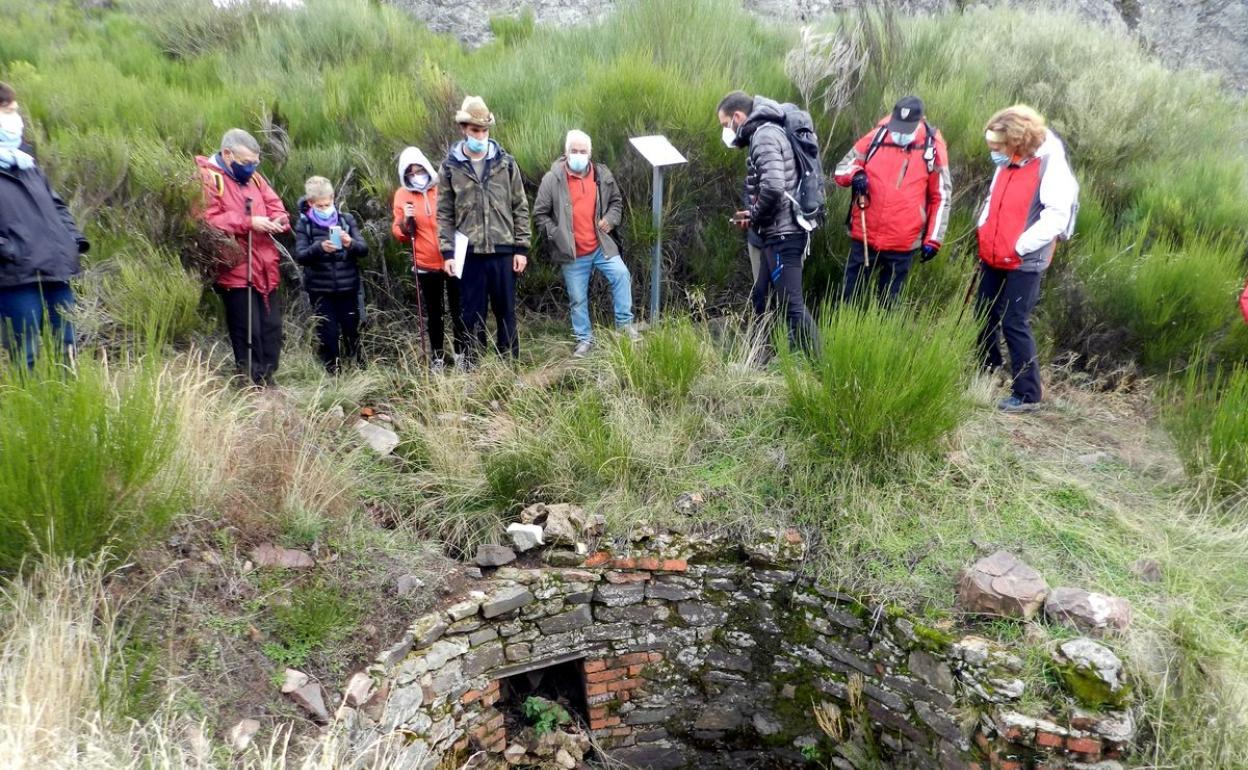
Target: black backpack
(810, 198)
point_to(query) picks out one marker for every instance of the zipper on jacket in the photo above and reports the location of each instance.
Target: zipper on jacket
(905, 164)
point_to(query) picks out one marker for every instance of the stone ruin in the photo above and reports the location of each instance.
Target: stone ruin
(701, 652)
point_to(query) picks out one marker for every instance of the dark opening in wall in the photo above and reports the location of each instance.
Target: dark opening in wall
(561, 681)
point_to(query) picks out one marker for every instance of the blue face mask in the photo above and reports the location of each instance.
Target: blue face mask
(578, 162)
(476, 145)
(999, 158)
(324, 217)
(901, 140)
(242, 172)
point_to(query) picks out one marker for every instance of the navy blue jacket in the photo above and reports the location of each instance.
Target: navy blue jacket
(39, 240)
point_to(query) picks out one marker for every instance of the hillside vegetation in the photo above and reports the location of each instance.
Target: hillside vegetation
(132, 635)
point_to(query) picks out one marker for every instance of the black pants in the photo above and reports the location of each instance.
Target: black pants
(890, 267)
(489, 280)
(337, 326)
(1005, 300)
(439, 292)
(265, 345)
(780, 275)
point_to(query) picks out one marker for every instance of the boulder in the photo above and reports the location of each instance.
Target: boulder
(561, 522)
(525, 536)
(380, 440)
(1092, 613)
(406, 585)
(514, 754)
(1000, 584)
(1147, 570)
(359, 689)
(1092, 673)
(311, 699)
(494, 556)
(269, 555)
(293, 680)
(240, 735)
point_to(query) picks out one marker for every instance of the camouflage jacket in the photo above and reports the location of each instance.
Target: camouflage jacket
(491, 210)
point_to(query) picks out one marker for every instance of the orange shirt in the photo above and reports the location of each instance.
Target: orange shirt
(583, 191)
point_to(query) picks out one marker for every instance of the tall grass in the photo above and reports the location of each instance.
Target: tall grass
(89, 457)
(665, 365)
(1207, 415)
(881, 382)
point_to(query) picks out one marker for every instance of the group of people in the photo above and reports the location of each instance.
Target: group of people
(467, 224)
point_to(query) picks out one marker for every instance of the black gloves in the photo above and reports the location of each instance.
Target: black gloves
(859, 183)
(928, 252)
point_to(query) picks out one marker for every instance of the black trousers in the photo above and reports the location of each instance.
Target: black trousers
(265, 345)
(780, 276)
(1005, 301)
(337, 326)
(439, 293)
(890, 267)
(489, 281)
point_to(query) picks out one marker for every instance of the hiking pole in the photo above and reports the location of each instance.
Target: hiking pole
(970, 290)
(250, 298)
(866, 249)
(420, 308)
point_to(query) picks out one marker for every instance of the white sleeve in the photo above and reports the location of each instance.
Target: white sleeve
(1058, 193)
(983, 212)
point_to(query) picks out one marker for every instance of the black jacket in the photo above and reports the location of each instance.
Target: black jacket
(38, 238)
(323, 271)
(770, 170)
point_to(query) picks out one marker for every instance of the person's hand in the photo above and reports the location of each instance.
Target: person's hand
(741, 219)
(346, 239)
(928, 252)
(448, 267)
(282, 222)
(264, 225)
(859, 183)
(604, 225)
(518, 263)
(328, 246)
(409, 210)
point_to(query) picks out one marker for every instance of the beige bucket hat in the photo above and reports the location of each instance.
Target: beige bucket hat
(474, 111)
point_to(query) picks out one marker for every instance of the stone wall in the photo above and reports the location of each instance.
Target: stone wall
(701, 653)
(1205, 34)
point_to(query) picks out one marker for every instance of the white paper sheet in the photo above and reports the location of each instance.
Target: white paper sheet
(461, 254)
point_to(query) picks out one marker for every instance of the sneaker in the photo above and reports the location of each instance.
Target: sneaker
(438, 366)
(582, 349)
(631, 332)
(1016, 404)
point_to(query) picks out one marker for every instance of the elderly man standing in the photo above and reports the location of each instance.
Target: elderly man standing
(241, 204)
(577, 207)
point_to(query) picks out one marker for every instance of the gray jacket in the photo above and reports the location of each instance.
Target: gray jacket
(552, 210)
(770, 170)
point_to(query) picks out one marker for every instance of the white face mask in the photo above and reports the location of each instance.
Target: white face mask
(419, 181)
(729, 135)
(11, 123)
(902, 140)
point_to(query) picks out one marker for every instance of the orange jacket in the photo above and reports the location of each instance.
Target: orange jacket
(425, 206)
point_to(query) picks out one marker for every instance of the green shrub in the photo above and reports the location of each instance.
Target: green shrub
(149, 296)
(663, 367)
(1207, 415)
(89, 458)
(880, 382)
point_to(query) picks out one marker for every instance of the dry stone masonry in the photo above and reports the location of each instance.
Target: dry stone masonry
(700, 652)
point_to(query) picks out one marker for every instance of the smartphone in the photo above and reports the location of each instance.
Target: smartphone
(335, 236)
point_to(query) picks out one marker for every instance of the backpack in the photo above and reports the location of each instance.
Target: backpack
(809, 199)
(929, 156)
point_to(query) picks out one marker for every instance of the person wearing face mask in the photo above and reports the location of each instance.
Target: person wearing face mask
(899, 175)
(481, 194)
(1032, 203)
(577, 207)
(40, 245)
(238, 202)
(329, 246)
(415, 210)
(771, 179)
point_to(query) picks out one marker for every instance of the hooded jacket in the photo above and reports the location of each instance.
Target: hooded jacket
(224, 208)
(907, 207)
(328, 272)
(1031, 204)
(492, 210)
(39, 240)
(770, 170)
(552, 210)
(424, 225)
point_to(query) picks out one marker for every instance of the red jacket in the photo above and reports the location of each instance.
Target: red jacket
(907, 207)
(224, 208)
(1243, 303)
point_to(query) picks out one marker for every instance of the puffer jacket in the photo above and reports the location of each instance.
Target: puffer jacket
(552, 210)
(39, 240)
(327, 272)
(770, 170)
(492, 211)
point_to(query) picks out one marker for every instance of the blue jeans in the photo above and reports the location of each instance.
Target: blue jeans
(576, 277)
(22, 310)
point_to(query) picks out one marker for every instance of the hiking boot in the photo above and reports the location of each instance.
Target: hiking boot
(1016, 404)
(582, 349)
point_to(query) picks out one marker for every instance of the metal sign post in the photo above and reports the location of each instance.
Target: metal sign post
(659, 153)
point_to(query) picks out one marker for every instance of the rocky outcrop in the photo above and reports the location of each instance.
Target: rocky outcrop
(1205, 34)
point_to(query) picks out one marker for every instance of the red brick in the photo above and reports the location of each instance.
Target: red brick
(623, 684)
(1048, 740)
(606, 676)
(635, 670)
(595, 665)
(495, 722)
(1011, 765)
(622, 695)
(598, 712)
(624, 562)
(596, 689)
(1084, 745)
(619, 578)
(461, 745)
(599, 559)
(649, 563)
(470, 696)
(632, 658)
(1014, 734)
(605, 722)
(655, 657)
(675, 565)
(792, 536)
